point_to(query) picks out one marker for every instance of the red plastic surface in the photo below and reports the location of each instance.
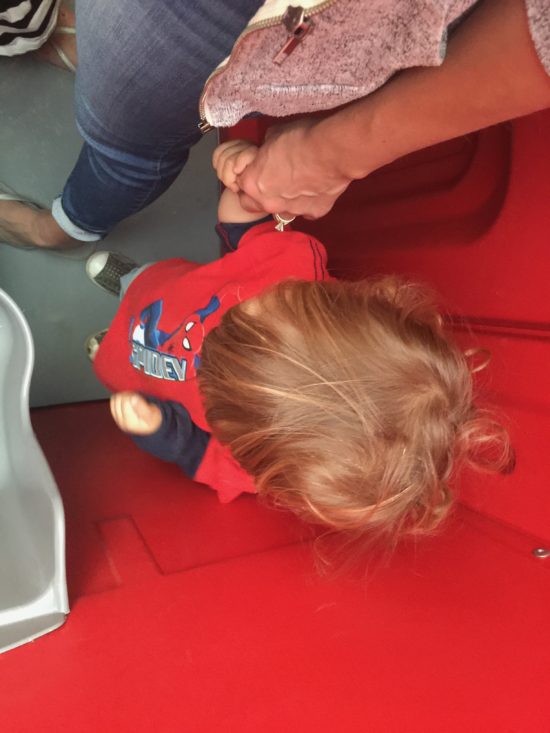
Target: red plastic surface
(167, 634)
(193, 617)
(482, 241)
(471, 217)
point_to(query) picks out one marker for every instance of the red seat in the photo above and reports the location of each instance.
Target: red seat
(192, 616)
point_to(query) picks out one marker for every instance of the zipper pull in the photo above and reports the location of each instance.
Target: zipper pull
(204, 126)
(298, 26)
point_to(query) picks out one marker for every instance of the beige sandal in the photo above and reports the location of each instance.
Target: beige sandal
(78, 252)
(51, 51)
(67, 31)
(8, 194)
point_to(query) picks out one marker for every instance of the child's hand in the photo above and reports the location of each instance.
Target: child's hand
(133, 414)
(230, 159)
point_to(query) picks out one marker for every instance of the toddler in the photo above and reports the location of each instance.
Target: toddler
(346, 402)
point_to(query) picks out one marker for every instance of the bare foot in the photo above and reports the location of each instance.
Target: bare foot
(66, 42)
(22, 225)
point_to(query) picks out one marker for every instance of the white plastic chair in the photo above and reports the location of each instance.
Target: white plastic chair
(33, 591)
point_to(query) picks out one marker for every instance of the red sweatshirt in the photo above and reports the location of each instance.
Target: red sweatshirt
(153, 345)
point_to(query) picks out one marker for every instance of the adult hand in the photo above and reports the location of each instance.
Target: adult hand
(293, 173)
(134, 414)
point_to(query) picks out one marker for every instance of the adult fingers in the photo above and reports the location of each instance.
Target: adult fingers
(314, 207)
(309, 207)
(251, 205)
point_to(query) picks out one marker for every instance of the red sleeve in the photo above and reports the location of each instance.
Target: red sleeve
(298, 243)
(221, 472)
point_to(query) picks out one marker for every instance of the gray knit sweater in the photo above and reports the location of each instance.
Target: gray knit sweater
(351, 49)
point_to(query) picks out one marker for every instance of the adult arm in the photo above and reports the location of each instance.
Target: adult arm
(491, 73)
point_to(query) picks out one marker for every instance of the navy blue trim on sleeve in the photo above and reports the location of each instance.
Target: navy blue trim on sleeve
(178, 440)
(231, 234)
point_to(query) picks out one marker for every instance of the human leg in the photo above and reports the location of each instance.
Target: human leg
(60, 48)
(113, 272)
(141, 70)
(23, 225)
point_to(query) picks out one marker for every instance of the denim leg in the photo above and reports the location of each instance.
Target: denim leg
(142, 67)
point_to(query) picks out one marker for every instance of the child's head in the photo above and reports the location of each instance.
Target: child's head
(347, 402)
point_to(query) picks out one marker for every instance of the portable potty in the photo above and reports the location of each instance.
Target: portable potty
(33, 592)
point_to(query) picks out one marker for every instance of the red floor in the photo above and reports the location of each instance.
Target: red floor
(190, 616)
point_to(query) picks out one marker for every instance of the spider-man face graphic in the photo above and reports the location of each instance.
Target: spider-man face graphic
(174, 355)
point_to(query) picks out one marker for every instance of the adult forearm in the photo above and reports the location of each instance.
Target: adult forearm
(491, 73)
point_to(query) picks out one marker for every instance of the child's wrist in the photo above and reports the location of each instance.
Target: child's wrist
(230, 210)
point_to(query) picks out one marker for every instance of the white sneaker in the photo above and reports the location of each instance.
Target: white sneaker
(106, 268)
(93, 343)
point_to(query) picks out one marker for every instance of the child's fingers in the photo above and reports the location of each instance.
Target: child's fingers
(123, 412)
(112, 408)
(120, 412)
(218, 152)
(228, 155)
(227, 148)
(244, 159)
(226, 174)
(147, 413)
(230, 166)
(129, 415)
(223, 164)
(137, 415)
(115, 404)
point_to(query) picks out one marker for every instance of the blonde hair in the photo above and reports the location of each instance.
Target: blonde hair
(347, 403)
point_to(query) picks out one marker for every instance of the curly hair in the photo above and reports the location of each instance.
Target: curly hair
(348, 403)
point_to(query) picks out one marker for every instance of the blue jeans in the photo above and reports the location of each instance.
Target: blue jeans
(142, 67)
